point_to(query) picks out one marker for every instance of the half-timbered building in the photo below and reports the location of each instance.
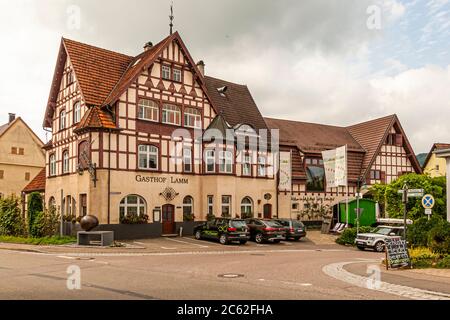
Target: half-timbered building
(378, 151)
(128, 139)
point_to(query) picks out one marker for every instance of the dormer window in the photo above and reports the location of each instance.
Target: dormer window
(166, 71)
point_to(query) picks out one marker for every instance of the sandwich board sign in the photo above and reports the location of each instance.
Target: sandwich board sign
(397, 255)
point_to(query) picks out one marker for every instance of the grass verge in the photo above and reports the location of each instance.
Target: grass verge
(38, 241)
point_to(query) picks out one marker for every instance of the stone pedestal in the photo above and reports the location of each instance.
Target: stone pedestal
(85, 238)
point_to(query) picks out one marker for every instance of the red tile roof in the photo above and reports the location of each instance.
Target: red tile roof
(313, 137)
(371, 135)
(97, 70)
(96, 118)
(37, 184)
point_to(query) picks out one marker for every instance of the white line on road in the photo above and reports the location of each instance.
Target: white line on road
(185, 242)
(337, 271)
(165, 248)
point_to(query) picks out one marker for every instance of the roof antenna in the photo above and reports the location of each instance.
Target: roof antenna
(171, 17)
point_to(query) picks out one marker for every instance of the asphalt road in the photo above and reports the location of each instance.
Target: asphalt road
(186, 269)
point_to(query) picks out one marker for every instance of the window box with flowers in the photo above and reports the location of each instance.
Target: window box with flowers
(133, 218)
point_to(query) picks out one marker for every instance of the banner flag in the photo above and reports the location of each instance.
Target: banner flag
(335, 165)
(285, 183)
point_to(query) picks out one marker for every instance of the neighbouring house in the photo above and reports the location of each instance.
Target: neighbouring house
(445, 155)
(433, 165)
(21, 156)
(35, 185)
(378, 151)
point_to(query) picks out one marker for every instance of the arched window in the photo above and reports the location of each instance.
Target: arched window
(188, 208)
(65, 161)
(52, 168)
(77, 112)
(192, 118)
(132, 205)
(148, 157)
(148, 110)
(62, 120)
(247, 208)
(171, 114)
(51, 203)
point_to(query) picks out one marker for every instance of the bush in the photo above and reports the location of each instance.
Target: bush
(349, 235)
(422, 257)
(439, 238)
(45, 224)
(11, 221)
(444, 263)
(34, 207)
(418, 232)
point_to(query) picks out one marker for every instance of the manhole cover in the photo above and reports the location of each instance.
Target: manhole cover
(230, 276)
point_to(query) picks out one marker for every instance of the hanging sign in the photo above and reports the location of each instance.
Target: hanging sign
(285, 183)
(335, 165)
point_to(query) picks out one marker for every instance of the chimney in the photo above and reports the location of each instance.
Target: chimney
(201, 67)
(148, 46)
(12, 117)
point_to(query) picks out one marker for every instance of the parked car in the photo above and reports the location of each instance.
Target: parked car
(266, 230)
(225, 230)
(295, 229)
(375, 240)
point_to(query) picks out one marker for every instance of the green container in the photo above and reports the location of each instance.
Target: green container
(368, 216)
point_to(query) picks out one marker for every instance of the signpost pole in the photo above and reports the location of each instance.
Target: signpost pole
(405, 202)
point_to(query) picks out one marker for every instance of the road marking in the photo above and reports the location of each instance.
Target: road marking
(139, 243)
(66, 257)
(286, 243)
(165, 248)
(337, 271)
(185, 242)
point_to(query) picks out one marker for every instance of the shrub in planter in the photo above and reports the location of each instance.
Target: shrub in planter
(188, 217)
(11, 221)
(439, 238)
(210, 217)
(134, 219)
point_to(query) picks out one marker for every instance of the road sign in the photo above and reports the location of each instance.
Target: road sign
(428, 212)
(428, 201)
(415, 193)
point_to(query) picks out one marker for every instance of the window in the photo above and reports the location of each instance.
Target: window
(77, 112)
(210, 201)
(52, 161)
(2, 174)
(13, 150)
(247, 208)
(171, 114)
(315, 175)
(261, 166)
(69, 203)
(247, 166)
(65, 161)
(21, 151)
(166, 72)
(70, 77)
(210, 161)
(51, 203)
(27, 176)
(226, 162)
(132, 205)
(187, 160)
(188, 208)
(62, 120)
(226, 206)
(177, 75)
(375, 174)
(192, 118)
(148, 110)
(148, 157)
(83, 205)
(394, 139)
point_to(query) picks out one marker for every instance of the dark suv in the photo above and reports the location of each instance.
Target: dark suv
(295, 229)
(223, 229)
(266, 230)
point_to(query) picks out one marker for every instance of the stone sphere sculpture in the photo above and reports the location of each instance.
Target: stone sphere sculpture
(89, 222)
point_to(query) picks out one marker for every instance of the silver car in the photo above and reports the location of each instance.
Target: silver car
(375, 240)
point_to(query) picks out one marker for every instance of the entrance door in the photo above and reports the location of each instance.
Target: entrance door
(168, 219)
(267, 211)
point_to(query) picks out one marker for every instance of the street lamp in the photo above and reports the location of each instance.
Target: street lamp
(361, 180)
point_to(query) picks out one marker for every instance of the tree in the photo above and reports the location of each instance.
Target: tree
(11, 221)
(35, 207)
(389, 195)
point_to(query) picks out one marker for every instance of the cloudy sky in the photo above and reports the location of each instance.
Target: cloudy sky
(328, 61)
